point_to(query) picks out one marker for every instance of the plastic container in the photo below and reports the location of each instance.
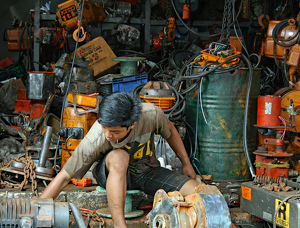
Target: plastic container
(126, 84)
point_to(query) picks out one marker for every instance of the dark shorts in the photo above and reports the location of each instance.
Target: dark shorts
(149, 181)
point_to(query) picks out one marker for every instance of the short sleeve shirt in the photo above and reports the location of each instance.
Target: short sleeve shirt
(139, 143)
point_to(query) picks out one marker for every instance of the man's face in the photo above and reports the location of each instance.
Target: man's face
(114, 134)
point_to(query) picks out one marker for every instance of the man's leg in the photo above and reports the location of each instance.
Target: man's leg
(117, 162)
(189, 187)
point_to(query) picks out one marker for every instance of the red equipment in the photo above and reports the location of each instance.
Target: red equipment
(84, 182)
(271, 163)
(28, 107)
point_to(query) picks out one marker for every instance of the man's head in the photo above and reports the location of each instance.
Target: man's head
(118, 114)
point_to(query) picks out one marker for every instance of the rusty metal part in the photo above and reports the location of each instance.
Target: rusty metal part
(29, 172)
(33, 213)
(45, 110)
(266, 180)
(157, 89)
(290, 108)
(205, 208)
(170, 29)
(263, 20)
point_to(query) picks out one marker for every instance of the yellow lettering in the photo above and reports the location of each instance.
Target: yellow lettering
(139, 154)
(127, 147)
(149, 152)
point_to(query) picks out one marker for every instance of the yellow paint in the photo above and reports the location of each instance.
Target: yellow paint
(223, 125)
(242, 102)
(283, 215)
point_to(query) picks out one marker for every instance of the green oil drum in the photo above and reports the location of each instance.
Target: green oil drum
(220, 123)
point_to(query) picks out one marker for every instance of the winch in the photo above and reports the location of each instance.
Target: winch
(205, 208)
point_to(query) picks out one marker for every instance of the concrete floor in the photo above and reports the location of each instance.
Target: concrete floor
(90, 198)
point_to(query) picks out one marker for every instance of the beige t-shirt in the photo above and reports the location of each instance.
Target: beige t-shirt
(139, 143)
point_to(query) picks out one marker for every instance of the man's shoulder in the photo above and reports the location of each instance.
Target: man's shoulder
(95, 132)
(149, 108)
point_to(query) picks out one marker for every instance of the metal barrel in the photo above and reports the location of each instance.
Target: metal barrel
(45, 147)
(220, 123)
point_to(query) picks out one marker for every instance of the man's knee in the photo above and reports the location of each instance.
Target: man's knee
(117, 160)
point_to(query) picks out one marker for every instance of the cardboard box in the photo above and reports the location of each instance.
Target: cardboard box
(100, 54)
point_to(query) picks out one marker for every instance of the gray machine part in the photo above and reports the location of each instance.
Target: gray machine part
(253, 197)
(39, 85)
(27, 213)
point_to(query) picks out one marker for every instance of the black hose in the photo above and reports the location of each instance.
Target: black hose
(66, 144)
(279, 27)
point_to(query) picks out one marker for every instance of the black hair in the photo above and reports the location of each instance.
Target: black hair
(119, 109)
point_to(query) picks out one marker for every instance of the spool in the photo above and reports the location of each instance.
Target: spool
(268, 108)
(129, 65)
(128, 212)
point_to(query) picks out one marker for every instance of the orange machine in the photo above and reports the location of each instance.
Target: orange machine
(217, 53)
(158, 93)
(67, 13)
(76, 123)
(281, 43)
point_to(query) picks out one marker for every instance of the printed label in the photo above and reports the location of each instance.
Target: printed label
(283, 215)
(268, 108)
(246, 193)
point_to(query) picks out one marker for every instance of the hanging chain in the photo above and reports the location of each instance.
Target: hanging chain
(227, 16)
(29, 171)
(229, 20)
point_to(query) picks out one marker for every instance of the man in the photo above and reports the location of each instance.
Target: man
(122, 141)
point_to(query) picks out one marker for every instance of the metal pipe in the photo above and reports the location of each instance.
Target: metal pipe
(45, 147)
(77, 215)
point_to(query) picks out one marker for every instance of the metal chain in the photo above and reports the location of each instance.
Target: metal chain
(169, 10)
(95, 217)
(229, 19)
(226, 22)
(29, 171)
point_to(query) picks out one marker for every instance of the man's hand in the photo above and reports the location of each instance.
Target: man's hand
(189, 171)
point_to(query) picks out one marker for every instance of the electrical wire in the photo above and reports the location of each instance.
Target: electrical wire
(70, 76)
(193, 157)
(284, 122)
(235, 19)
(245, 125)
(281, 204)
(66, 144)
(202, 74)
(258, 59)
(200, 91)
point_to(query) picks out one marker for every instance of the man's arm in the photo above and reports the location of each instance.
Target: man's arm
(176, 144)
(56, 185)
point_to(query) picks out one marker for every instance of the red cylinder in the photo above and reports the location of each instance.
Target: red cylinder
(268, 108)
(186, 12)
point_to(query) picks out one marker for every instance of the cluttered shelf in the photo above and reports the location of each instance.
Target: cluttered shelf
(196, 23)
